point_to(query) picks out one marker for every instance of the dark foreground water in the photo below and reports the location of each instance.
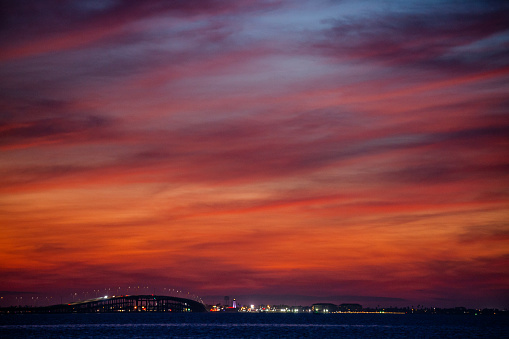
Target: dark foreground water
(239, 325)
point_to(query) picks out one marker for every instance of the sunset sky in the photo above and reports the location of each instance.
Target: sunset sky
(340, 151)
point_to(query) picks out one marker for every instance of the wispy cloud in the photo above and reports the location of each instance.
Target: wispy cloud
(435, 37)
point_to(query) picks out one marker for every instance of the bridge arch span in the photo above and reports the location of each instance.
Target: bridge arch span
(129, 303)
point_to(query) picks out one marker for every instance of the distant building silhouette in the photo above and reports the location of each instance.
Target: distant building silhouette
(324, 308)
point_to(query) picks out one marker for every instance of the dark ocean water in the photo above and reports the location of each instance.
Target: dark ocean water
(239, 325)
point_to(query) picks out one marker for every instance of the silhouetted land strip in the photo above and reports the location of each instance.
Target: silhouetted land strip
(159, 303)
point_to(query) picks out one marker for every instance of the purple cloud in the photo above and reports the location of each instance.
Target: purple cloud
(440, 38)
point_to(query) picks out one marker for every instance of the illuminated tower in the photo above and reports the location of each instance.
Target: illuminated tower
(234, 303)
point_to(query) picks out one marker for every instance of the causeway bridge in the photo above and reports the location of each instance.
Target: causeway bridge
(124, 303)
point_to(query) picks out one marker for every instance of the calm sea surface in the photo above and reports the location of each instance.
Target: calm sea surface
(239, 325)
